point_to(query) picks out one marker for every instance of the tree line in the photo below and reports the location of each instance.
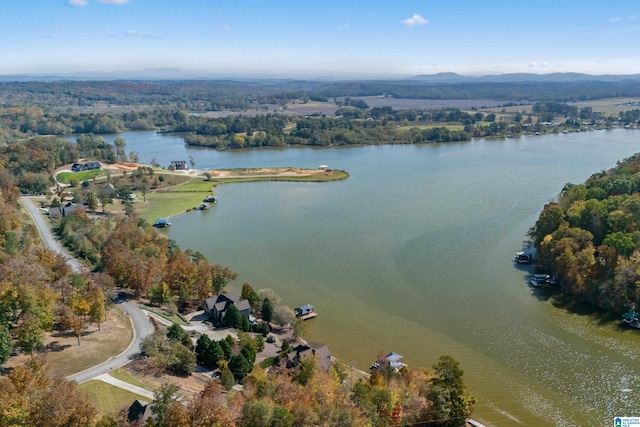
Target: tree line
(217, 95)
(590, 238)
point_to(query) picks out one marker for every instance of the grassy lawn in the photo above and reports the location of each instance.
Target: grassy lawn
(190, 193)
(65, 177)
(108, 399)
(450, 126)
(95, 346)
(123, 375)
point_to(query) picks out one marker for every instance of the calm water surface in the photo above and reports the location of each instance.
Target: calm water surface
(413, 254)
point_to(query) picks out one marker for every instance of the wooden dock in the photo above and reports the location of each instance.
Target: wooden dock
(308, 316)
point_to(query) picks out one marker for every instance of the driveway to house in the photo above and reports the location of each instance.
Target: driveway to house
(141, 325)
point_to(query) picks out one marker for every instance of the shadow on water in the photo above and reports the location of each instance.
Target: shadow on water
(565, 302)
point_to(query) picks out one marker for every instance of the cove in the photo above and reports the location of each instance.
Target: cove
(413, 254)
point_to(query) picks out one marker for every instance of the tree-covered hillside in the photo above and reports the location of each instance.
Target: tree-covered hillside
(590, 238)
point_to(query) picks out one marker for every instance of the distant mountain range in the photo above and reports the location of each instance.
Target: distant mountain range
(439, 78)
(523, 77)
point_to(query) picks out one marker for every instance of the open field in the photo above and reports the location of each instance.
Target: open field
(610, 105)
(65, 177)
(66, 357)
(108, 399)
(450, 126)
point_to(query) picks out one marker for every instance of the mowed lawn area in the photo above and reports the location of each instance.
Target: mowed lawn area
(108, 399)
(189, 194)
(450, 126)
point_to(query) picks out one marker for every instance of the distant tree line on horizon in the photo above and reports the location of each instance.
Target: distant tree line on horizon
(353, 123)
(217, 95)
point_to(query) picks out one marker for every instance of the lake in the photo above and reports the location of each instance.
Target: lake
(414, 254)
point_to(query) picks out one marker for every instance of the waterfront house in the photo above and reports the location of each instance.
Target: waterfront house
(178, 165)
(216, 307)
(392, 359)
(300, 351)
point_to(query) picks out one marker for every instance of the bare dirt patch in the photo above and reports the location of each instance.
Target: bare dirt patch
(271, 172)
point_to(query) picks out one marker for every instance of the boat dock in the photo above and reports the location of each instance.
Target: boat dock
(305, 312)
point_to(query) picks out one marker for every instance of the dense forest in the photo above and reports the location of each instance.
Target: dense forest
(590, 238)
(212, 95)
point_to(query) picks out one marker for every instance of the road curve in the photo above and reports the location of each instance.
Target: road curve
(141, 325)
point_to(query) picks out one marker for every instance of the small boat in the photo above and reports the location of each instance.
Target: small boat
(162, 222)
(203, 206)
(522, 258)
(210, 199)
(539, 279)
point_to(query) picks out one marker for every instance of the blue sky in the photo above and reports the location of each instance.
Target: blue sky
(320, 38)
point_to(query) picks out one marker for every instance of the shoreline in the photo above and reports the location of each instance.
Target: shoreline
(184, 197)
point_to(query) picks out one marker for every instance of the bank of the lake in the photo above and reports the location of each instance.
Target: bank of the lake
(413, 253)
(196, 185)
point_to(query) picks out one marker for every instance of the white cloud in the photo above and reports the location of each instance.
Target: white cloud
(113, 1)
(414, 20)
(77, 3)
(616, 19)
(534, 64)
(137, 33)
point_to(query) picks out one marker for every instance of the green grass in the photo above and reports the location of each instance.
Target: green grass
(108, 399)
(175, 319)
(65, 177)
(188, 195)
(269, 361)
(450, 126)
(123, 375)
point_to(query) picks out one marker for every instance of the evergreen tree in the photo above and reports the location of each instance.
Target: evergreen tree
(267, 310)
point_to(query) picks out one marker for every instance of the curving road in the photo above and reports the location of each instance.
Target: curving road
(141, 325)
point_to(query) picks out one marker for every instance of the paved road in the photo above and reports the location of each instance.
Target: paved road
(141, 324)
(43, 228)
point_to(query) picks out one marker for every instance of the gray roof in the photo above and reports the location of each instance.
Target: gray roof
(243, 305)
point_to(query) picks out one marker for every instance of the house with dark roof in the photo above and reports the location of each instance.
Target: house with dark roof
(140, 411)
(178, 165)
(64, 210)
(217, 306)
(79, 167)
(301, 351)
